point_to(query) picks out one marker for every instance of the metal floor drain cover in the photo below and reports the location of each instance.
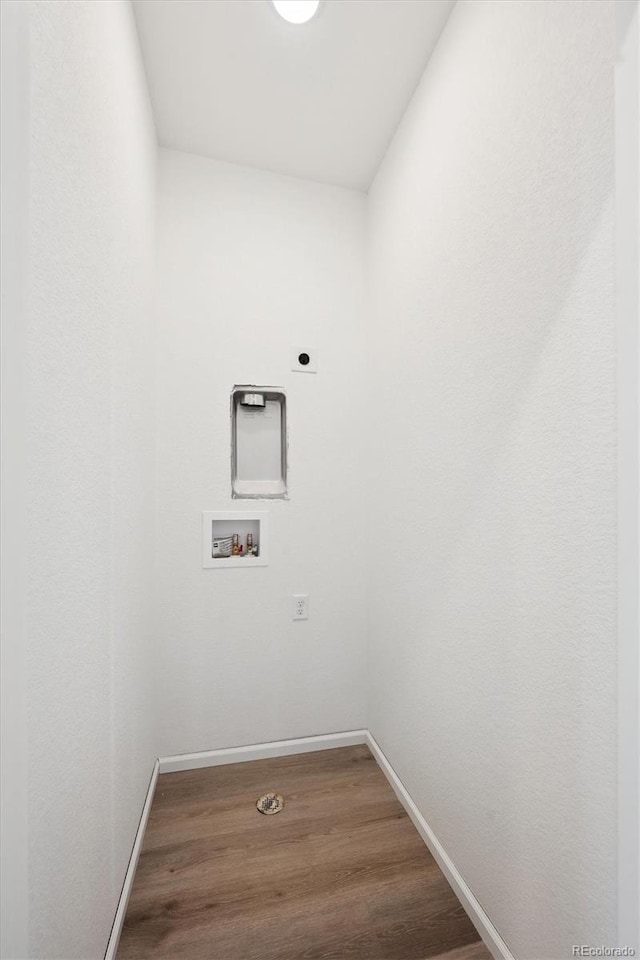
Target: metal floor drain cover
(270, 803)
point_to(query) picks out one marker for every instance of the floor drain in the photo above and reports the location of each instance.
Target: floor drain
(270, 803)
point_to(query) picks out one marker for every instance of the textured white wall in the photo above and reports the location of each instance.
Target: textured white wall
(250, 266)
(493, 615)
(90, 462)
(14, 94)
(627, 239)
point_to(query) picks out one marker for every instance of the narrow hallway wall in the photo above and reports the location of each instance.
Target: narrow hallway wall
(88, 449)
(251, 267)
(493, 616)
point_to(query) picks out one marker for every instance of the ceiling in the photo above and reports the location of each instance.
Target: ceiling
(231, 80)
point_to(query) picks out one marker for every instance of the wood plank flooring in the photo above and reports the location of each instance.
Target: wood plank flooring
(339, 874)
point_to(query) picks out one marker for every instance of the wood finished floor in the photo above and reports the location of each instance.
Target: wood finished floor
(339, 874)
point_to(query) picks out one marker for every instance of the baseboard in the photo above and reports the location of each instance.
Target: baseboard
(494, 942)
(260, 751)
(116, 929)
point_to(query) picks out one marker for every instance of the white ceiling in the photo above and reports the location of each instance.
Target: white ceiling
(231, 80)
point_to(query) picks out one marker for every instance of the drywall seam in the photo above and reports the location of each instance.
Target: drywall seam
(127, 886)
(260, 751)
(477, 915)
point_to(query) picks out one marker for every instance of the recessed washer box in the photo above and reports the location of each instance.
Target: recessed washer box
(219, 526)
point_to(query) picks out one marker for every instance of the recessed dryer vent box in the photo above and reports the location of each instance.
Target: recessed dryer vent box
(258, 443)
(218, 530)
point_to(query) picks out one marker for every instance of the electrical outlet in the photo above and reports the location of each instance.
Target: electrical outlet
(304, 360)
(300, 606)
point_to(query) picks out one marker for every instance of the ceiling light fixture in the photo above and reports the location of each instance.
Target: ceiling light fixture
(296, 11)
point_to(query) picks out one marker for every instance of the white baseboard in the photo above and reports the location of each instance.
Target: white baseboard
(116, 929)
(260, 751)
(494, 942)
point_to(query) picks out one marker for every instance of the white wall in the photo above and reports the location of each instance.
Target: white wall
(14, 93)
(250, 266)
(85, 344)
(627, 121)
(493, 615)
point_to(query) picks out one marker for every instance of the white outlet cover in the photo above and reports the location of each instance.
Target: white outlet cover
(311, 366)
(300, 606)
